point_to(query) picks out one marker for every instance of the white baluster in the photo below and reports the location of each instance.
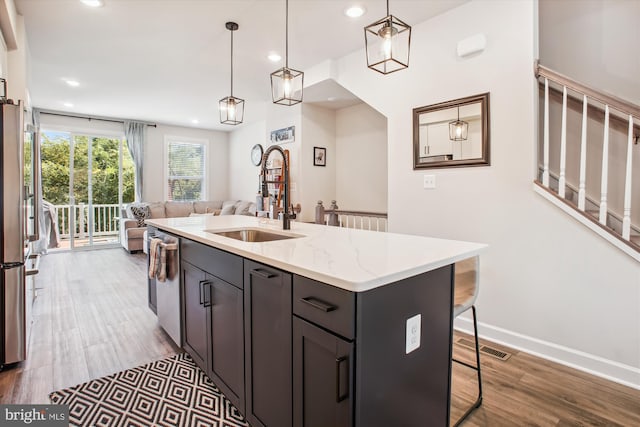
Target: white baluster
(626, 215)
(563, 146)
(81, 233)
(582, 191)
(545, 165)
(605, 169)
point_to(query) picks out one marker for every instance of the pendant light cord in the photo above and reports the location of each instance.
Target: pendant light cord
(286, 37)
(387, 7)
(232, 63)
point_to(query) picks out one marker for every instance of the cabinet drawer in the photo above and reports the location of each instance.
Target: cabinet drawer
(325, 305)
(224, 265)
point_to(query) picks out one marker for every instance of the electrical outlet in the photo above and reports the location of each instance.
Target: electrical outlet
(429, 181)
(413, 333)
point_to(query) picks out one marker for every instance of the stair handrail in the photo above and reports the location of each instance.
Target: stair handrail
(619, 104)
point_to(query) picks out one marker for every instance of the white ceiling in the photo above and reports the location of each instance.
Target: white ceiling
(167, 61)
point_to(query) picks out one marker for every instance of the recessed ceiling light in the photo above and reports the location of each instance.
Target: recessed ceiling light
(195, 121)
(67, 104)
(72, 83)
(274, 57)
(93, 3)
(354, 11)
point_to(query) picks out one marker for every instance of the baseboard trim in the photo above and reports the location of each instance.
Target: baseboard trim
(591, 364)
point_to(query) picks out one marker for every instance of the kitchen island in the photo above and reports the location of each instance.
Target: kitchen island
(325, 327)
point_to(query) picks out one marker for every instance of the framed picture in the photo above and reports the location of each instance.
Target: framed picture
(282, 136)
(319, 156)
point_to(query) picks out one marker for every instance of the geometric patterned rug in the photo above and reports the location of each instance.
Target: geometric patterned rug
(169, 392)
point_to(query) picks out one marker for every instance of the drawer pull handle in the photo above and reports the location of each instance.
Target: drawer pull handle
(203, 294)
(339, 396)
(263, 273)
(320, 305)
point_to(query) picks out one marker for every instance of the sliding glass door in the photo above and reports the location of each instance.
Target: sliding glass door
(98, 174)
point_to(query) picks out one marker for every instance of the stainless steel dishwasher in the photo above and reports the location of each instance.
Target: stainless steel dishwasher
(168, 291)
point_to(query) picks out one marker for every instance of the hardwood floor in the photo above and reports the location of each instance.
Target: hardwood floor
(91, 319)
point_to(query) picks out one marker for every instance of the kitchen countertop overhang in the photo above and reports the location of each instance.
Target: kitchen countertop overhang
(351, 259)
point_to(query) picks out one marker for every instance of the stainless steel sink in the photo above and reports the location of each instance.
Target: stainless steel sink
(252, 235)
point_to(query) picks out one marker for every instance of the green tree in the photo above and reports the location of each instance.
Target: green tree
(104, 172)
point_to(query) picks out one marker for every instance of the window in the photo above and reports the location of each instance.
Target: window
(186, 160)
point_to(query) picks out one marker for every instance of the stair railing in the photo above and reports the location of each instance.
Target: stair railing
(610, 102)
(363, 220)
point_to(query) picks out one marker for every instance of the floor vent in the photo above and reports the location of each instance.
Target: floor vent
(485, 349)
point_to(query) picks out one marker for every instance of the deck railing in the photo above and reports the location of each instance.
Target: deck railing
(363, 220)
(103, 219)
(619, 116)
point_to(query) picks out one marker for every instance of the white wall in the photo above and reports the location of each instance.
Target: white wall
(318, 182)
(4, 65)
(548, 285)
(243, 175)
(17, 60)
(154, 180)
(361, 159)
(356, 143)
(154, 162)
(593, 41)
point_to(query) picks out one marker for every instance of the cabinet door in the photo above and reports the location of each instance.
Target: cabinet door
(268, 345)
(227, 340)
(322, 377)
(196, 294)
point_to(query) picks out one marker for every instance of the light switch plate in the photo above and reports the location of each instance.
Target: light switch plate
(413, 333)
(429, 181)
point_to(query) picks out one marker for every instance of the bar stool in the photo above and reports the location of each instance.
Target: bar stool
(466, 286)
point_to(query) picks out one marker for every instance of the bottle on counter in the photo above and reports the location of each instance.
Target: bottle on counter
(319, 213)
(333, 216)
(259, 202)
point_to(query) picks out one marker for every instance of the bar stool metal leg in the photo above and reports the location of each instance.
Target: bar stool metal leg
(478, 401)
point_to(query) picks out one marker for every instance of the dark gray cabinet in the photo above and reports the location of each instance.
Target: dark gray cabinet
(322, 377)
(267, 345)
(289, 351)
(213, 319)
(196, 316)
(227, 340)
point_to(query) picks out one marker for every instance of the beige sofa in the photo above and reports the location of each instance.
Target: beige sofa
(132, 232)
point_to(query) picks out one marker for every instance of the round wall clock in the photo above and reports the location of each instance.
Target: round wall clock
(256, 154)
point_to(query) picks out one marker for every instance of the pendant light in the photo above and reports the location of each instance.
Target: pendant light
(286, 83)
(231, 108)
(458, 129)
(387, 44)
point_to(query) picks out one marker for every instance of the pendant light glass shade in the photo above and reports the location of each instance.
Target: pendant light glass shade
(286, 86)
(231, 108)
(458, 129)
(287, 83)
(387, 43)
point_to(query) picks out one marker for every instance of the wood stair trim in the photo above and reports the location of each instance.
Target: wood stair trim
(633, 243)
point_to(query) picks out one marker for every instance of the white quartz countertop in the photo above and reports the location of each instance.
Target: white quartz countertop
(355, 260)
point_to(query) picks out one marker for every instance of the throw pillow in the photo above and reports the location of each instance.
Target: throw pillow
(140, 213)
(242, 208)
(228, 210)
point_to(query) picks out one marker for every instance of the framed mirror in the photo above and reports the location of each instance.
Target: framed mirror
(452, 133)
